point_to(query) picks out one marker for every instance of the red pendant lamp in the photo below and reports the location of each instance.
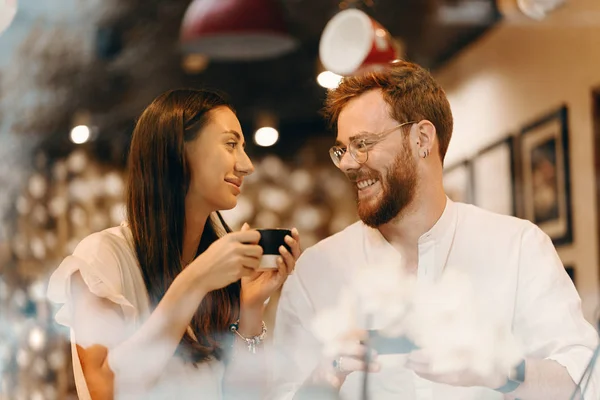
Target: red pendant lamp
(235, 30)
(352, 42)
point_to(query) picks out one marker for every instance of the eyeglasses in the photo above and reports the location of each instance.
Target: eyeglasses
(359, 147)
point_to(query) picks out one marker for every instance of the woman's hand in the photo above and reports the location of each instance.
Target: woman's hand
(230, 258)
(260, 285)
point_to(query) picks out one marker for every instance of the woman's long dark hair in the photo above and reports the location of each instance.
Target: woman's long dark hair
(158, 181)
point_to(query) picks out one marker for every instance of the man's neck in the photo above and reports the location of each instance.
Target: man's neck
(404, 231)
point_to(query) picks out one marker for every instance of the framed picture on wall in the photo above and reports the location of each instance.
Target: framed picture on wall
(458, 182)
(545, 176)
(494, 177)
(571, 272)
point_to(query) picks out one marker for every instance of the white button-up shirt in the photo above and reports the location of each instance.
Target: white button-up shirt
(512, 264)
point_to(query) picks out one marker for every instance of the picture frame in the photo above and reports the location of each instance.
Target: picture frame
(494, 177)
(458, 182)
(570, 270)
(545, 175)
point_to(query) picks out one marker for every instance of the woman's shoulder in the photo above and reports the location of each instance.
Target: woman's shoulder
(107, 264)
(108, 267)
(106, 256)
(110, 243)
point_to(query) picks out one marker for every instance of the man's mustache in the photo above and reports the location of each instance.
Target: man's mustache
(355, 176)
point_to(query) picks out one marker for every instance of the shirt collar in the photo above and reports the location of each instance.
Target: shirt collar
(378, 249)
(442, 226)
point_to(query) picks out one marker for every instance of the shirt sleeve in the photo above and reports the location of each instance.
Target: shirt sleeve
(548, 320)
(296, 352)
(97, 259)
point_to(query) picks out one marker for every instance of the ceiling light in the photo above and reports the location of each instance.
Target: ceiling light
(353, 41)
(80, 134)
(329, 80)
(266, 136)
(235, 29)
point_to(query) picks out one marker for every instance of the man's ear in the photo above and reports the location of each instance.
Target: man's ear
(425, 138)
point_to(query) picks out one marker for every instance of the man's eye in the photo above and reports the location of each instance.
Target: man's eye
(363, 144)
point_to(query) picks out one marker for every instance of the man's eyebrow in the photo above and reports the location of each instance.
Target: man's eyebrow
(361, 135)
(238, 135)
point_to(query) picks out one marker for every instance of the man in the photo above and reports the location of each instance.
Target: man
(393, 130)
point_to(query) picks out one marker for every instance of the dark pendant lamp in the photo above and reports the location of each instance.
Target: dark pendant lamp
(235, 30)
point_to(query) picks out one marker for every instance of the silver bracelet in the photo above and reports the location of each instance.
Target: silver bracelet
(253, 341)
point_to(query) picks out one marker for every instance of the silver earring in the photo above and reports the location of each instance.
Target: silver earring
(425, 153)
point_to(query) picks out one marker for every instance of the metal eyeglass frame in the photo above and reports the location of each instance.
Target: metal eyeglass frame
(359, 147)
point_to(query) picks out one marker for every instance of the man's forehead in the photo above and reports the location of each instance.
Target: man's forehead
(372, 99)
(366, 118)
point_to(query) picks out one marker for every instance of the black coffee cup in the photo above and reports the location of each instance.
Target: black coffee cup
(270, 241)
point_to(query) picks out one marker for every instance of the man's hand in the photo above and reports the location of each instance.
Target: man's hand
(350, 356)
(419, 362)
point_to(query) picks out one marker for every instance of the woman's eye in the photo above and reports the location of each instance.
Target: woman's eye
(233, 145)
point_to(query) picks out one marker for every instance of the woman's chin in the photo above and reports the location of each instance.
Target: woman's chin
(228, 204)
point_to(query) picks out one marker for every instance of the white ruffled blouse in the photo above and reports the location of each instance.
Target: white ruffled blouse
(108, 265)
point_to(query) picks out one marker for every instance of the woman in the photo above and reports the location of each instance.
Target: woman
(151, 303)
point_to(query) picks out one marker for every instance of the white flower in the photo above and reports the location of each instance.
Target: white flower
(445, 321)
(385, 291)
(331, 324)
(443, 318)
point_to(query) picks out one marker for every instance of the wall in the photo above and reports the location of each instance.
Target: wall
(522, 70)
